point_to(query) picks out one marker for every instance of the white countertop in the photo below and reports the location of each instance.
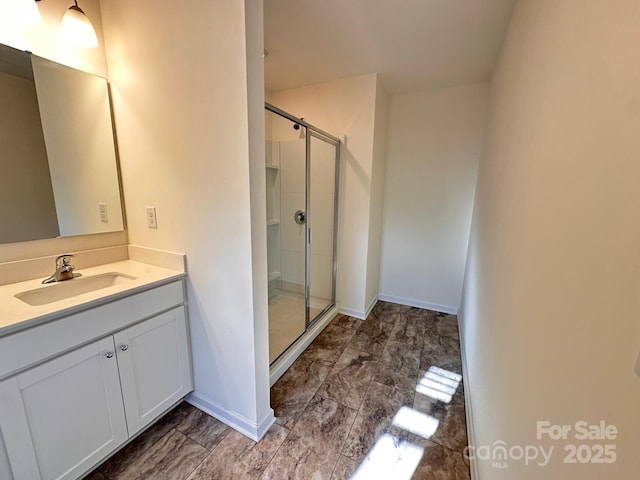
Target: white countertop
(16, 315)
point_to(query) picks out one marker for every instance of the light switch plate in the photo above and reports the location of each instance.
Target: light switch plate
(152, 220)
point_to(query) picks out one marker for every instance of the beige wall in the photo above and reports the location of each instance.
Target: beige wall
(44, 40)
(254, 50)
(188, 100)
(551, 294)
(345, 107)
(377, 195)
(434, 146)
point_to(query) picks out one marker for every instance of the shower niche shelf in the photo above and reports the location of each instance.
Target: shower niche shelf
(273, 221)
(272, 166)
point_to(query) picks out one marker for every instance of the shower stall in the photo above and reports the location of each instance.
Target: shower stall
(302, 165)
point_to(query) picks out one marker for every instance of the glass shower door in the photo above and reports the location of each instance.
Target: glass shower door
(321, 206)
(302, 165)
(286, 231)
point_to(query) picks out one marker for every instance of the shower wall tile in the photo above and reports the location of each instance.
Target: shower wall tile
(293, 166)
(320, 276)
(293, 235)
(322, 223)
(293, 268)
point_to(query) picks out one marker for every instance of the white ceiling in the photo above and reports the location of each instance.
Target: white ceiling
(413, 44)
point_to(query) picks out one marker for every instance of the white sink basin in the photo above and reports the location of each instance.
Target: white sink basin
(72, 288)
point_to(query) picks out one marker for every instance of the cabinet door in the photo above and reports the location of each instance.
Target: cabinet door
(5, 467)
(155, 372)
(17, 458)
(67, 413)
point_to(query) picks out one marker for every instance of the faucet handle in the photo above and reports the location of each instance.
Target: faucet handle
(64, 259)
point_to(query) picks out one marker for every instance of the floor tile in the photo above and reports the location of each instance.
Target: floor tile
(173, 457)
(95, 475)
(445, 324)
(399, 366)
(421, 313)
(293, 391)
(350, 377)
(441, 351)
(239, 457)
(382, 309)
(312, 449)
(345, 468)
(202, 428)
(338, 333)
(440, 463)
(372, 335)
(409, 329)
(390, 457)
(121, 460)
(180, 414)
(381, 398)
(332, 341)
(441, 397)
(375, 419)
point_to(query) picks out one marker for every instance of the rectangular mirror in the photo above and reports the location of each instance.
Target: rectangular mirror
(59, 173)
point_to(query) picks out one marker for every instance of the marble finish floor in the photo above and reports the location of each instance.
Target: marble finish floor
(381, 398)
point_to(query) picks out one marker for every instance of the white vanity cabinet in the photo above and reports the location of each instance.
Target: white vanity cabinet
(155, 372)
(67, 412)
(62, 416)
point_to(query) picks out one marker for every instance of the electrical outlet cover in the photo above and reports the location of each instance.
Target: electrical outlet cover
(104, 217)
(152, 220)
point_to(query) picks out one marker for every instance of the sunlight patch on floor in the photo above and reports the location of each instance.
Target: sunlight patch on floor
(439, 384)
(390, 458)
(416, 422)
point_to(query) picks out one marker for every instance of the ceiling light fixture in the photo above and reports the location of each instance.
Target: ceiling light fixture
(32, 13)
(19, 12)
(77, 27)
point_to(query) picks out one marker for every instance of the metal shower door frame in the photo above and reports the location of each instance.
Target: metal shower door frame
(312, 131)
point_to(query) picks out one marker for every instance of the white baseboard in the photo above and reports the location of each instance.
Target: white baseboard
(255, 431)
(357, 313)
(370, 306)
(360, 315)
(291, 355)
(473, 462)
(419, 303)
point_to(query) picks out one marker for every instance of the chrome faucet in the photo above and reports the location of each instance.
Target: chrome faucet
(64, 269)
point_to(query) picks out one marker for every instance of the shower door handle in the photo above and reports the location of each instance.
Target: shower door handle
(299, 217)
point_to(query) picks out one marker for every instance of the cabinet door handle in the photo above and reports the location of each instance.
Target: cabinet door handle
(108, 354)
(124, 348)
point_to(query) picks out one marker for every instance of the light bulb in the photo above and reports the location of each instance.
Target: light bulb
(19, 12)
(78, 29)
